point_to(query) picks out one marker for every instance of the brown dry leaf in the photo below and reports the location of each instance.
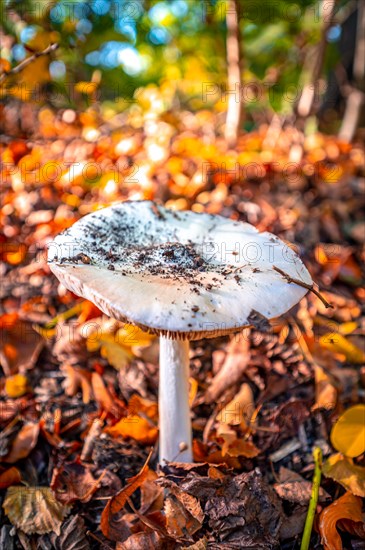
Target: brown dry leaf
(10, 477)
(183, 512)
(72, 536)
(239, 409)
(24, 442)
(326, 393)
(345, 513)
(34, 509)
(135, 427)
(294, 488)
(151, 494)
(342, 470)
(235, 364)
(201, 544)
(75, 379)
(144, 541)
(73, 482)
(118, 501)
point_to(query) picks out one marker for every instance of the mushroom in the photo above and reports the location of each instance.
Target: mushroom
(180, 275)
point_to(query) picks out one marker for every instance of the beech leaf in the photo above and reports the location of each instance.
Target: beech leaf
(34, 509)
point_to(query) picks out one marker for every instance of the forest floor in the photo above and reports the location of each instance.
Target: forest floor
(78, 392)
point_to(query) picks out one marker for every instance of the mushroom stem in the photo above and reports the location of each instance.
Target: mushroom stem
(174, 410)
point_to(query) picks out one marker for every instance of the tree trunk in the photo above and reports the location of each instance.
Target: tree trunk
(234, 110)
(315, 59)
(356, 97)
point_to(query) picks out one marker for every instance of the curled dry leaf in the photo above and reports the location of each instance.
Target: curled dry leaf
(342, 470)
(348, 434)
(10, 477)
(294, 488)
(344, 513)
(34, 509)
(24, 442)
(118, 501)
(74, 482)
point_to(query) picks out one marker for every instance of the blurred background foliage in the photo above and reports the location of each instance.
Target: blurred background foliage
(111, 51)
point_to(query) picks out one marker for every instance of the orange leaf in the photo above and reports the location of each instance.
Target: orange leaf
(118, 501)
(10, 477)
(24, 442)
(136, 427)
(347, 512)
(102, 395)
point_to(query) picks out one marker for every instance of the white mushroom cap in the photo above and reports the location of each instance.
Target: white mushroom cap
(180, 274)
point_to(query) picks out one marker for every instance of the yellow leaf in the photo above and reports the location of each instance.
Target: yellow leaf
(16, 386)
(348, 434)
(34, 509)
(337, 343)
(117, 355)
(350, 476)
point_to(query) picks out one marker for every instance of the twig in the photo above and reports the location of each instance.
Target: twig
(18, 68)
(317, 455)
(304, 285)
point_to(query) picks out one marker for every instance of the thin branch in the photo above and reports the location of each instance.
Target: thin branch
(304, 285)
(18, 68)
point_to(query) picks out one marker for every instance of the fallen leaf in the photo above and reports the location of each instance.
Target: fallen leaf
(135, 427)
(144, 541)
(103, 396)
(72, 535)
(118, 501)
(325, 391)
(344, 513)
(10, 477)
(24, 442)
(239, 409)
(241, 447)
(151, 494)
(16, 386)
(201, 544)
(139, 404)
(34, 509)
(75, 379)
(183, 512)
(294, 488)
(342, 470)
(235, 363)
(348, 434)
(337, 343)
(73, 482)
